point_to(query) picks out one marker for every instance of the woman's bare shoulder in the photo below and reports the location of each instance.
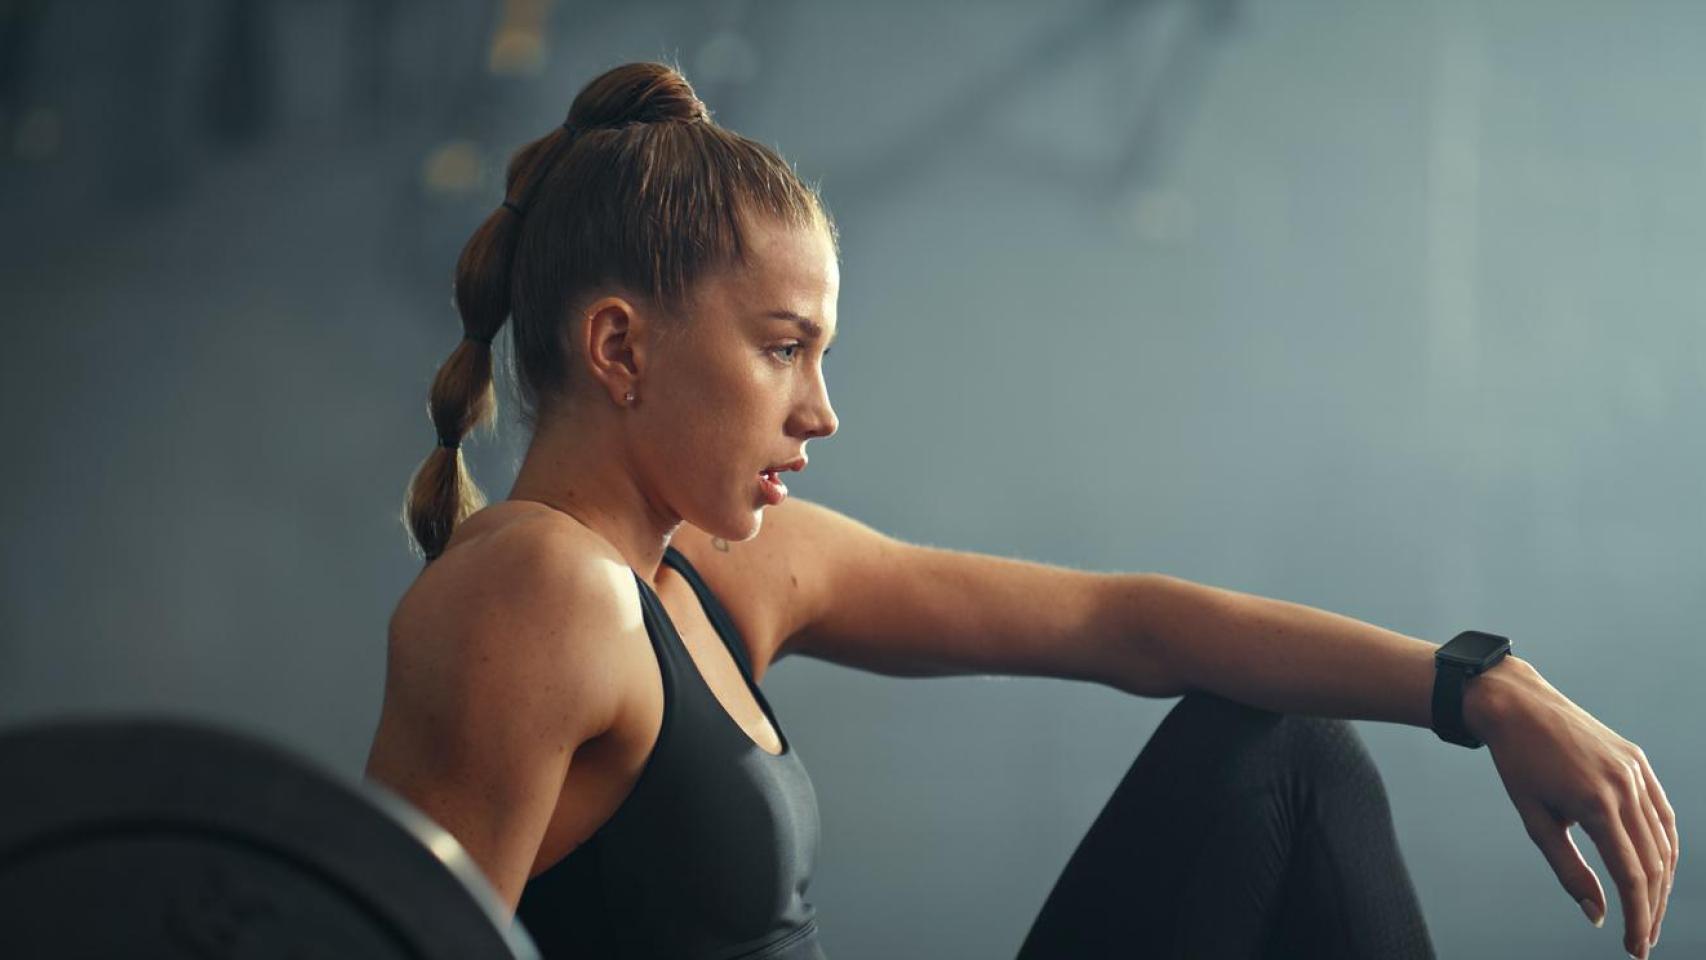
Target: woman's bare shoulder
(517, 533)
(521, 525)
(521, 565)
(516, 618)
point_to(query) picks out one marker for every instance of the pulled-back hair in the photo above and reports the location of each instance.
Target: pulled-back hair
(638, 189)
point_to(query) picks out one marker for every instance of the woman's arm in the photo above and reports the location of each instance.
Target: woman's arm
(1560, 766)
(1291, 658)
(832, 588)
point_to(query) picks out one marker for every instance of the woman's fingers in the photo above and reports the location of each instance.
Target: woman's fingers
(1641, 831)
(1606, 828)
(1553, 838)
(1661, 871)
(1666, 818)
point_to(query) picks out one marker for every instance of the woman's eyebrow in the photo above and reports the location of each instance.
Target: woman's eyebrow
(811, 327)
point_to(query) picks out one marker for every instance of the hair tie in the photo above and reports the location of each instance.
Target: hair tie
(512, 208)
(449, 443)
(485, 340)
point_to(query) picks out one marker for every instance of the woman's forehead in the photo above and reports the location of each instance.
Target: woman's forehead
(784, 267)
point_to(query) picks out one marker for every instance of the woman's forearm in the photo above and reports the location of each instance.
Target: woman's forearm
(1292, 658)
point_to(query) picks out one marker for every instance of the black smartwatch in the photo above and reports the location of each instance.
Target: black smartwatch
(1468, 654)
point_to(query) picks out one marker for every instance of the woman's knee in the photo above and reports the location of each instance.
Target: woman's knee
(1247, 743)
(1333, 753)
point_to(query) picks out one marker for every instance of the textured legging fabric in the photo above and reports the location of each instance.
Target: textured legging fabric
(1238, 833)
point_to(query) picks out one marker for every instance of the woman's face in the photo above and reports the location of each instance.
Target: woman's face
(738, 386)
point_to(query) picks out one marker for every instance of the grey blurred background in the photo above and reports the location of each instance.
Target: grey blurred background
(1389, 308)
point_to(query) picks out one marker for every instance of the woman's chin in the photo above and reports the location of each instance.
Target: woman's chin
(735, 529)
(756, 523)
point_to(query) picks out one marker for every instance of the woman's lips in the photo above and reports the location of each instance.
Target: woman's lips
(774, 490)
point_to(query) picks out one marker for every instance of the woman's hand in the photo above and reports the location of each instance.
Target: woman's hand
(1560, 767)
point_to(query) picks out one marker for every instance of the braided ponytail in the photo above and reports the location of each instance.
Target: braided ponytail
(442, 493)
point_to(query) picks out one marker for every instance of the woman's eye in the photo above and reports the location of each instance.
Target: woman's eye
(792, 351)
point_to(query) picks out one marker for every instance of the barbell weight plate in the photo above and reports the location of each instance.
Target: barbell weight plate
(149, 836)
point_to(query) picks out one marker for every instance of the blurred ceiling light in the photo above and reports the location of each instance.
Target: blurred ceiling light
(518, 43)
(727, 57)
(451, 167)
(37, 136)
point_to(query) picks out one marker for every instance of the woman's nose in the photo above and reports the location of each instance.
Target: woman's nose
(817, 418)
(820, 421)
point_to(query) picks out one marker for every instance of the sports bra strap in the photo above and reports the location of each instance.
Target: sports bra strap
(719, 616)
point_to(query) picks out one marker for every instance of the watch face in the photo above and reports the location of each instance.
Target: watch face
(1474, 649)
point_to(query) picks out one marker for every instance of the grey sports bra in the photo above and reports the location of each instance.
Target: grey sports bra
(710, 855)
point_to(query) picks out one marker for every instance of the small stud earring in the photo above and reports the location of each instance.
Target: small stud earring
(629, 396)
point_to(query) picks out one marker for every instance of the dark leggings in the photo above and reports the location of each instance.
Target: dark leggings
(1238, 833)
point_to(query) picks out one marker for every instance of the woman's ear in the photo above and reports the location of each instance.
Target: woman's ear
(615, 341)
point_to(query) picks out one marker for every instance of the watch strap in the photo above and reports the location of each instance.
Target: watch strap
(1449, 681)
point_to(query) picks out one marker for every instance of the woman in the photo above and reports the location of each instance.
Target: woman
(572, 681)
